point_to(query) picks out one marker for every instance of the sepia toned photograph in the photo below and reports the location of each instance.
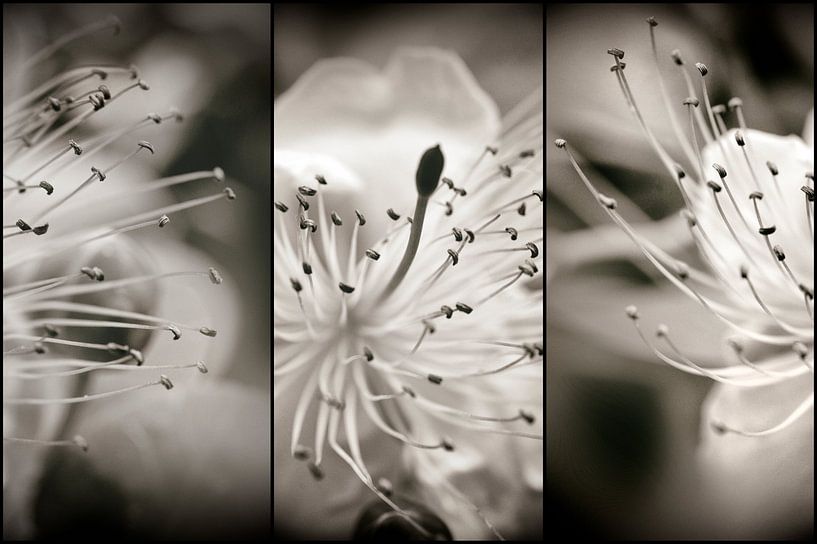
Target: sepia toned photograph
(680, 271)
(136, 272)
(409, 265)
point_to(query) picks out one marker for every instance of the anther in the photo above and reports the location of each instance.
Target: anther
(739, 138)
(280, 206)
(305, 223)
(679, 171)
(215, 276)
(527, 153)
(39, 348)
(457, 234)
(662, 331)
(230, 193)
(392, 214)
(447, 182)
(744, 271)
(809, 192)
(77, 149)
(307, 191)
(632, 312)
(51, 330)
(368, 353)
(521, 209)
(505, 170)
(385, 487)
(372, 254)
(346, 288)
(766, 231)
(99, 275)
(607, 202)
(99, 173)
(800, 349)
(315, 470)
(336, 219)
(447, 311)
(163, 221)
(691, 101)
(455, 257)
(361, 219)
(218, 174)
(718, 109)
(47, 186)
(513, 232)
(718, 427)
(55, 104)
(527, 270)
(447, 445)
(97, 102)
(676, 56)
(433, 378)
(756, 195)
(527, 416)
(538, 194)
(175, 331)
(682, 270)
(560, 143)
(772, 167)
(320, 179)
(492, 150)
(778, 252)
(106, 92)
(307, 268)
(164, 380)
(409, 391)
(302, 201)
(464, 308)
(81, 442)
(532, 265)
(470, 235)
(619, 66)
(652, 21)
(137, 356)
(702, 68)
(714, 186)
(207, 331)
(143, 85)
(22, 225)
(101, 74)
(449, 208)
(734, 103)
(40, 230)
(302, 453)
(534, 250)
(202, 367)
(806, 291)
(88, 271)
(689, 216)
(616, 52)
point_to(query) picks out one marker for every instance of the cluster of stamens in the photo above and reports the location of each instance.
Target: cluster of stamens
(42, 315)
(747, 260)
(366, 329)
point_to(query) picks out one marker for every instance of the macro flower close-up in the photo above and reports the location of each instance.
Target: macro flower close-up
(135, 367)
(695, 250)
(408, 307)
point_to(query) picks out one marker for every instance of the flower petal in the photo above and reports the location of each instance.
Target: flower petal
(379, 123)
(761, 487)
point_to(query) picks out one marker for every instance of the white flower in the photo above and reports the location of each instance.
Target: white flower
(749, 207)
(407, 223)
(81, 293)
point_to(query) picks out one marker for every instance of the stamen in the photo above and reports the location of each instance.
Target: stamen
(722, 428)
(163, 381)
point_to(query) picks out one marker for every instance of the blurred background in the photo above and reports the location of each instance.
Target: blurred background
(622, 429)
(207, 455)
